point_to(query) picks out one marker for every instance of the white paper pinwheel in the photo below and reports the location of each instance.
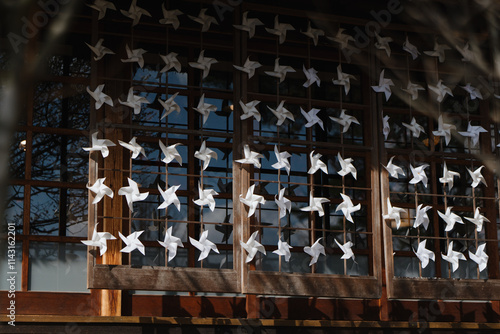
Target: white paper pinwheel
(383, 44)
(99, 239)
(393, 169)
(134, 56)
(346, 249)
(99, 50)
(343, 79)
(480, 257)
(101, 6)
(424, 255)
(134, 101)
(134, 148)
(99, 97)
(203, 63)
(413, 89)
(249, 67)
(384, 86)
(314, 251)
(170, 153)
(347, 207)
(205, 108)
(316, 204)
(204, 245)
(252, 246)
(248, 24)
(411, 49)
(100, 189)
(135, 12)
(344, 120)
(466, 52)
(346, 166)
(419, 175)
(453, 257)
(477, 177)
(281, 113)
(100, 145)
(251, 157)
(393, 212)
(283, 250)
(251, 200)
(282, 158)
(205, 154)
(171, 243)
(448, 176)
(440, 90)
(473, 92)
(386, 128)
(422, 218)
(414, 127)
(450, 218)
(280, 29)
(312, 117)
(473, 132)
(311, 76)
(444, 129)
(132, 242)
(206, 197)
(279, 70)
(171, 61)
(478, 220)
(169, 197)
(249, 110)
(312, 33)
(169, 105)
(204, 19)
(316, 163)
(438, 51)
(132, 193)
(283, 203)
(170, 17)
(342, 39)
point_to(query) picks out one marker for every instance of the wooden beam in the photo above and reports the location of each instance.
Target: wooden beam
(464, 289)
(165, 278)
(276, 283)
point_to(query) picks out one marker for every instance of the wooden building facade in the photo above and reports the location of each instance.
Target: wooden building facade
(338, 60)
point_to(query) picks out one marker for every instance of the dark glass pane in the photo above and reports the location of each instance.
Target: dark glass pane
(58, 211)
(18, 156)
(14, 212)
(59, 158)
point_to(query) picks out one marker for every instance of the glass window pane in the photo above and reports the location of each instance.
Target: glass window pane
(17, 157)
(10, 257)
(57, 267)
(58, 211)
(15, 205)
(59, 158)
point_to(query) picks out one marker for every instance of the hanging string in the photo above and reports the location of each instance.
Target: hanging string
(166, 135)
(469, 146)
(344, 227)
(412, 158)
(279, 146)
(201, 139)
(445, 195)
